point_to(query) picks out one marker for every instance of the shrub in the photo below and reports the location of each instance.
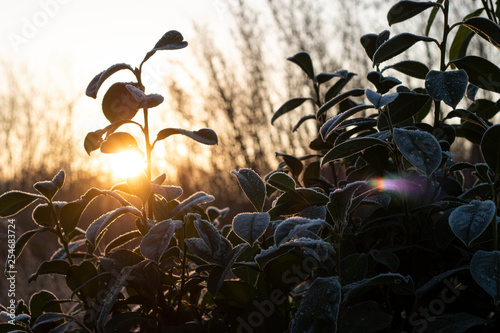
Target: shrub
(375, 231)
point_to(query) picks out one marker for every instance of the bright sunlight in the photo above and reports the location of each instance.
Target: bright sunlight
(126, 164)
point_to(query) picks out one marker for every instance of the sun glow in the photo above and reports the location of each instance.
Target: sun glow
(127, 164)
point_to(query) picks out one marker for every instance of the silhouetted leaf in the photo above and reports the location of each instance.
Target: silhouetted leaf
(371, 42)
(294, 202)
(379, 100)
(303, 60)
(332, 123)
(157, 240)
(468, 116)
(50, 267)
(420, 148)
(121, 240)
(43, 215)
(351, 147)
(38, 303)
(253, 186)
(448, 87)
(336, 100)
(485, 28)
(218, 274)
(70, 214)
(171, 40)
(354, 267)
(298, 227)
(293, 163)
(93, 141)
(289, 106)
(78, 276)
(458, 48)
(118, 103)
(143, 100)
(480, 71)
(386, 258)
(140, 186)
(397, 45)
(404, 10)
(302, 120)
(324, 77)
(438, 279)
(485, 269)
(411, 68)
(97, 81)
(250, 227)
(119, 142)
(338, 86)
(484, 108)
(382, 83)
(398, 283)
(319, 309)
(431, 18)
(168, 192)
(490, 148)
(281, 181)
(99, 225)
(341, 202)
(204, 135)
(13, 202)
(48, 318)
(405, 106)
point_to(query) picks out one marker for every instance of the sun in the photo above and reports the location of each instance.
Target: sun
(127, 164)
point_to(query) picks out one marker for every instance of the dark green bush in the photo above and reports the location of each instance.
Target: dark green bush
(374, 232)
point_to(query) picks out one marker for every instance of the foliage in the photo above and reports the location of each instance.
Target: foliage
(375, 231)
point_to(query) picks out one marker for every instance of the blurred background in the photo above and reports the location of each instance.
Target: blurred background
(231, 78)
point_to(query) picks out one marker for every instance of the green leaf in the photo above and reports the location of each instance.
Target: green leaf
(38, 304)
(485, 28)
(118, 103)
(378, 100)
(397, 45)
(98, 80)
(365, 317)
(303, 60)
(204, 135)
(481, 72)
(281, 181)
(458, 48)
(351, 147)
(404, 10)
(289, 106)
(13, 202)
(453, 322)
(468, 222)
(319, 309)
(251, 226)
(157, 240)
(431, 18)
(485, 269)
(119, 142)
(411, 68)
(420, 148)
(448, 87)
(490, 148)
(50, 267)
(337, 99)
(253, 186)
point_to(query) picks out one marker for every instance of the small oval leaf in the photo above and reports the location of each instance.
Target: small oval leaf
(397, 45)
(253, 186)
(251, 226)
(97, 81)
(468, 222)
(379, 100)
(448, 87)
(157, 240)
(420, 148)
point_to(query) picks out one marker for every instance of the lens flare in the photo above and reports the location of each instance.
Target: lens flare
(390, 184)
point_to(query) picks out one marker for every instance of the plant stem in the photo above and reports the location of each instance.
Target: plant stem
(442, 63)
(60, 232)
(149, 149)
(183, 273)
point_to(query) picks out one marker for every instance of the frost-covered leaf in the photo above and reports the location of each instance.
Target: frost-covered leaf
(97, 81)
(397, 282)
(382, 83)
(157, 240)
(379, 100)
(490, 148)
(337, 99)
(281, 181)
(218, 274)
(297, 227)
(194, 200)
(205, 136)
(253, 186)
(319, 309)
(448, 87)
(411, 68)
(251, 226)
(485, 269)
(289, 105)
(171, 40)
(468, 222)
(351, 147)
(420, 148)
(143, 100)
(13, 202)
(168, 192)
